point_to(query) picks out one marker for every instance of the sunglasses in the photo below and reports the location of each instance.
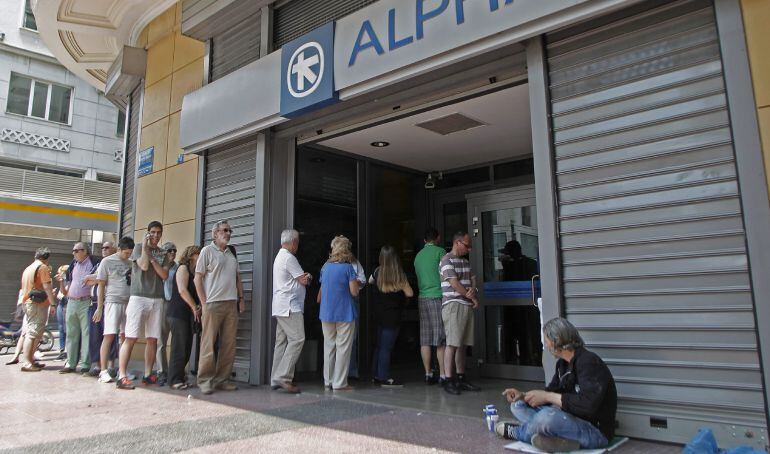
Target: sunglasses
(226, 230)
(171, 250)
(74, 251)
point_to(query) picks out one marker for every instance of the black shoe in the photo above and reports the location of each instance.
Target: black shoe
(376, 382)
(505, 429)
(162, 379)
(94, 372)
(391, 383)
(66, 370)
(465, 385)
(452, 387)
(62, 355)
(554, 444)
(113, 372)
(431, 379)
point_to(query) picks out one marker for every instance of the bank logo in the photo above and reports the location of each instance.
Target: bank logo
(306, 66)
(307, 78)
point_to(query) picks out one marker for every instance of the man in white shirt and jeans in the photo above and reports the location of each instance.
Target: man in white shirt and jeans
(289, 281)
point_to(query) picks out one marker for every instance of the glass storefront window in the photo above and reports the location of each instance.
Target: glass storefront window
(510, 251)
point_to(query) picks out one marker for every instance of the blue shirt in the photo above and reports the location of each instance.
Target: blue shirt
(336, 301)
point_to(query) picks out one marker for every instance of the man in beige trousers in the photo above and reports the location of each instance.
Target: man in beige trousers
(289, 281)
(219, 288)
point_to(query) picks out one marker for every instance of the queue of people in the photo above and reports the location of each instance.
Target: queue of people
(134, 290)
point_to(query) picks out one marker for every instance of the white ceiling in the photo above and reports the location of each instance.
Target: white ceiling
(506, 135)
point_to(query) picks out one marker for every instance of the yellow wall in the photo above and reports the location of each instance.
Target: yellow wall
(174, 68)
(168, 194)
(756, 18)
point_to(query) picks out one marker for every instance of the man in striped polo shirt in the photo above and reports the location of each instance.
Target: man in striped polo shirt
(459, 299)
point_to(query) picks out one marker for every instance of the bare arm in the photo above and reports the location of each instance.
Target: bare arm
(48, 288)
(408, 290)
(198, 280)
(143, 262)
(355, 286)
(241, 299)
(182, 279)
(100, 291)
(90, 279)
(539, 398)
(455, 283)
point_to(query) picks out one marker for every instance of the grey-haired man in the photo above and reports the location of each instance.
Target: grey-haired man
(577, 409)
(289, 281)
(219, 288)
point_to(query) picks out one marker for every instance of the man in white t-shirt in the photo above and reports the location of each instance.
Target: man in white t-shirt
(289, 281)
(114, 288)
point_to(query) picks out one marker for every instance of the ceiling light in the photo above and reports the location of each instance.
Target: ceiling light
(380, 144)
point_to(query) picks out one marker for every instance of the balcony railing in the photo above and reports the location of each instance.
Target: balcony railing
(62, 189)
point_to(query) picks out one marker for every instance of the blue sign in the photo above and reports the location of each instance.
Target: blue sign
(146, 157)
(307, 65)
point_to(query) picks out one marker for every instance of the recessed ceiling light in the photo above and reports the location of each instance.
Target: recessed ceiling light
(380, 144)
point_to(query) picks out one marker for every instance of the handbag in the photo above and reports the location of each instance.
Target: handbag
(36, 295)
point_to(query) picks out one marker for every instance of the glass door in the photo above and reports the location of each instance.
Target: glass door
(503, 229)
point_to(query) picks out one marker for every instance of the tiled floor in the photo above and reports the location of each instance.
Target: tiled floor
(49, 412)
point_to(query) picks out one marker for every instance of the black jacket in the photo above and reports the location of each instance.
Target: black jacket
(588, 390)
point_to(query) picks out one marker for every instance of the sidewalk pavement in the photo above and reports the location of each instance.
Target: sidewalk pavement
(48, 412)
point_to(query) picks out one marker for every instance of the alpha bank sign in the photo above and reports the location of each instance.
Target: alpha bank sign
(390, 35)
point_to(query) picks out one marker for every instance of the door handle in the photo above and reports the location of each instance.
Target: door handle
(532, 282)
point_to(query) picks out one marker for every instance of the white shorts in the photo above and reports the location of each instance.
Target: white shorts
(114, 317)
(142, 311)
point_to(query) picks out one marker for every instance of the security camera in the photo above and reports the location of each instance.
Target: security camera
(430, 182)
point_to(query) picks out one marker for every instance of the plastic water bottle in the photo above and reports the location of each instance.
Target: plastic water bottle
(490, 414)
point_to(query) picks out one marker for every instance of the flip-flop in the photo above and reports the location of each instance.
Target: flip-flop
(12, 362)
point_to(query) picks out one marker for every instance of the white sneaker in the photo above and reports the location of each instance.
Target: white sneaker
(105, 377)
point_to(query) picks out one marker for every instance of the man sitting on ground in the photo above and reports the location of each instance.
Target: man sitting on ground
(576, 410)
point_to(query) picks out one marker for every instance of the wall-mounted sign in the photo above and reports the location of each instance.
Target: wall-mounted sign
(307, 70)
(144, 166)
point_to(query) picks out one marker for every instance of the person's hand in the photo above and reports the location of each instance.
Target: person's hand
(475, 303)
(471, 293)
(304, 279)
(197, 314)
(97, 315)
(241, 305)
(512, 395)
(536, 398)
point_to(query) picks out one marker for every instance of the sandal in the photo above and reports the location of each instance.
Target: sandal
(180, 386)
(12, 362)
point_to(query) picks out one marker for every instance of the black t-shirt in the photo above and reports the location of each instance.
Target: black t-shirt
(387, 306)
(177, 307)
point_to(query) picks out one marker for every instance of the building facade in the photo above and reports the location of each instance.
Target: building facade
(613, 147)
(61, 151)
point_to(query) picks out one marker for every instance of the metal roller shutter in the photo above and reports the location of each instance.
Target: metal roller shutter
(235, 47)
(127, 210)
(297, 17)
(229, 194)
(655, 272)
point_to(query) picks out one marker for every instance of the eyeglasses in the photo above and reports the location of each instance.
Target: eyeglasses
(226, 230)
(172, 250)
(75, 251)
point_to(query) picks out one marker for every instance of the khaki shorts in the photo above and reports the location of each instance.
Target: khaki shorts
(37, 316)
(458, 324)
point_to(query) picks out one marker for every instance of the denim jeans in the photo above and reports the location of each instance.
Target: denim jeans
(386, 339)
(61, 310)
(554, 422)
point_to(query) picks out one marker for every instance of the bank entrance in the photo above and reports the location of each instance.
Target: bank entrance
(464, 166)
